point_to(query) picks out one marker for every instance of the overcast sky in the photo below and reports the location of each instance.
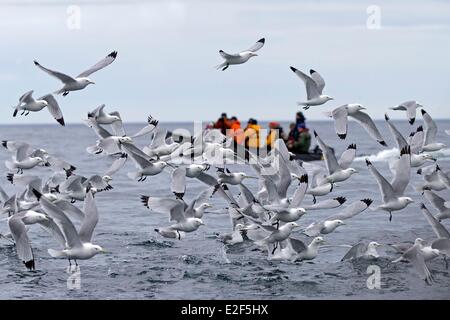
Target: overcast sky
(167, 51)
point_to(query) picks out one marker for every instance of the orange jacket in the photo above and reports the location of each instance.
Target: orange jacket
(236, 132)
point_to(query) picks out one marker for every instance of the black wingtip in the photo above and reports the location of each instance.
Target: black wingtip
(311, 71)
(419, 128)
(304, 178)
(438, 168)
(383, 143)
(179, 195)
(368, 163)
(37, 194)
(124, 155)
(341, 200)
(221, 51)
(342, 136)
(293, 69)
(423, 111)
(29, 264)
(367, 201)
(144, 200)
(386, 117)
(422, 206)
(419, 171)
(113, 54)
(411, 121)
(15, 112)
(36, 63)
(352, 146)
(61, 121)
(10, 177)
(315, 133)
(157, 230)
(5, 143)
(262, 40)
(225, 187)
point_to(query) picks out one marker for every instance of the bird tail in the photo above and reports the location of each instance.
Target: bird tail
(60, 91)
(16, 109)
(133, 175)
(56, 253)
(262, 242)
(10, 165)
(220, 66)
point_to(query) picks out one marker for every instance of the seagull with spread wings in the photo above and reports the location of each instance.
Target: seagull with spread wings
(81, 81)
(241, 57)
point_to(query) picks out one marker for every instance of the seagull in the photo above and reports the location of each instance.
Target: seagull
(429, 142)
(241, 57)
(337, 172)
(145, 167)
(434, 180)
(330, 224)
(233, 178)
(447, 132)
(22, 160)
(234, 237)
(309, 252)
(178, 212)
(81, 81)
(277, 235)
(28, 104)
(341, 114)
(416, 256)
(101, 117)
(439, 203)
(410, 108)
(314, 87)
(392, 193)
(78, 245)
(362, 250)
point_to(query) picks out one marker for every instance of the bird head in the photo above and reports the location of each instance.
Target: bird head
(318, 240)
(98, 249)
(198, 222)
(328, 98)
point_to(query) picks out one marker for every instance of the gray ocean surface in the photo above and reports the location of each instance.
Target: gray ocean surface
(143, 265)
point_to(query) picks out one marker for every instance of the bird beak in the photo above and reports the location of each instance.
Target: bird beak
(92, 82)
(251, 177)
(103, 251)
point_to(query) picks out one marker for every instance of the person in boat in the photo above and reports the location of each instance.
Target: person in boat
(223, 124)
(299, 139)
(235, 130)
(252, 134)
(275, 132)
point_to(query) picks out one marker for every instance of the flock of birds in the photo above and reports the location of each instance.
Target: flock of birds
(269, 216)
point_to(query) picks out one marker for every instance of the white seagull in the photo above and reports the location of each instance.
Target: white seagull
(28, 104)
(314, 86)
(241, 57)
(410, 107)
(81, 81)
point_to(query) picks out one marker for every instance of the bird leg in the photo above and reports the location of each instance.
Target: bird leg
(390, 216)
(70, 264)
(27, 113)
(65, 93)
(179, 235)
(314, 199)
(275, 248)
(225, 68)
(145, 178)
(306, 107)
(22, 113)
(76, 263)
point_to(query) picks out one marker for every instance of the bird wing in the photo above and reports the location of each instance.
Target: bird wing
(90, 218)
(312, 90)
(327, 204)
(59, 75)
(152, 124)
(352, 210)
(117, 125)
(318, 79)
(284, 178)
(415, 256)
(437, 201)
(297, 245)
(70, 210)
(66, 226)
(356, 251)
(27, 97)
(53, 108)
(330, 158)
(22, 152)
(438, 228)
(117, 165)
(178, 185)
(387, 192)
(430, 128)
(347, 156)
(402, 172)
(399, 139)
(19, 233)
(258, 45)
(340, 121)
(367, 123)
(99, 65)
(416, 140)
(299, 193)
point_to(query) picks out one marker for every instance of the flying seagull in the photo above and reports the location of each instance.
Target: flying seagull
(28, 104)
(241, 57)
(341, 114)
(81, 81)
(314, 86)
(410, 107)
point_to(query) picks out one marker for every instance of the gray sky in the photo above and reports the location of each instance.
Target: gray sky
(167, 51)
